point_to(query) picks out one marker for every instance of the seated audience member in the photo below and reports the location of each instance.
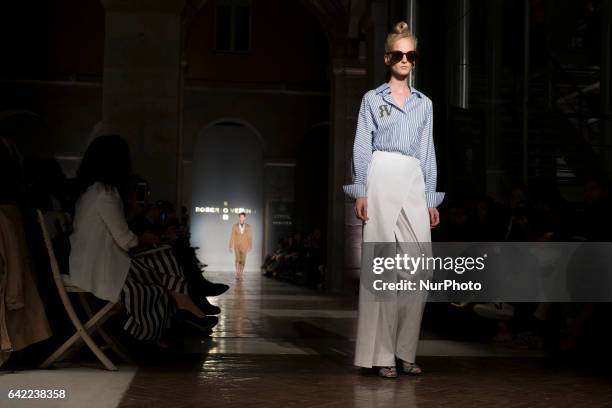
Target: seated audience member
(46, 185)
(593, 218)
(314, 259)
(489, 220)
(273, 262)
(11, 163)
(297, 259)
(100, 243)
(161, 219)
(457, 227)
(23, 319)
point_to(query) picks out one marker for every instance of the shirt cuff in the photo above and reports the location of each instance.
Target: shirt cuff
(434, 198)
(355, 190)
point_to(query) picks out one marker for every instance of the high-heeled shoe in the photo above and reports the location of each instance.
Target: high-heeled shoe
(411, 368)
(208, 288)
(203, 324)
(387, 372)
(206, 307)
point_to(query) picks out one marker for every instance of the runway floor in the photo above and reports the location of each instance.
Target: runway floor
(279, 345)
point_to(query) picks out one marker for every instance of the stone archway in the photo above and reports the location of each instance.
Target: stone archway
(340, 20)
(227, 178)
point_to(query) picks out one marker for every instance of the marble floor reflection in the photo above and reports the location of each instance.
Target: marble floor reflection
(279, 345)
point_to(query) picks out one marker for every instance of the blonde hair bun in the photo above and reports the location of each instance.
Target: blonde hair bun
(400, 30)
(401, 27)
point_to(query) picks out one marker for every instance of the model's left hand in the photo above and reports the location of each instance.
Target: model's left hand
(434, 217)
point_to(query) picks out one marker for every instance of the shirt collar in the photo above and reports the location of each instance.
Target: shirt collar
(384, 87)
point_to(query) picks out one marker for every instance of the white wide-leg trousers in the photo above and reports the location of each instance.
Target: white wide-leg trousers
(397, 212)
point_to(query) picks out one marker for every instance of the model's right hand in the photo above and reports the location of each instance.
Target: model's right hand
(361, 208)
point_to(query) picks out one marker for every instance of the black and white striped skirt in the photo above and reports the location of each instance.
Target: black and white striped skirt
(146, 293)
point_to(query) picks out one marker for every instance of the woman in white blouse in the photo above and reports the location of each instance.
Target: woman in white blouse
(99, 259)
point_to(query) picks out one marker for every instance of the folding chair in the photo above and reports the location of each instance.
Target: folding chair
(84, 332)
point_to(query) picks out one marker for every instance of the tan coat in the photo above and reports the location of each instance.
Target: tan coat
(22, 314)
(241, 242)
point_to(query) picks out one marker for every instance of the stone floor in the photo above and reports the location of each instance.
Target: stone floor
(278, 345)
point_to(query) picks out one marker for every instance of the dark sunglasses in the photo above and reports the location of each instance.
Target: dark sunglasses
(397, 56)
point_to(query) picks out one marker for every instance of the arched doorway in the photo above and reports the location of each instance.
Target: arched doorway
(227, 179)
(283, 96)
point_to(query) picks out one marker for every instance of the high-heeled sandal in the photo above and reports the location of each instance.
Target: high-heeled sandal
(411, 368)
(387, 372)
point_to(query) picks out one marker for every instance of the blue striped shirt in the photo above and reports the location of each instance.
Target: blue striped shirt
(385, 126)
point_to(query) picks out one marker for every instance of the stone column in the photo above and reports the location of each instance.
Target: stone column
(377, 31)
(349, 83)
(141, 85)
(412, 18)
(493, 67)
